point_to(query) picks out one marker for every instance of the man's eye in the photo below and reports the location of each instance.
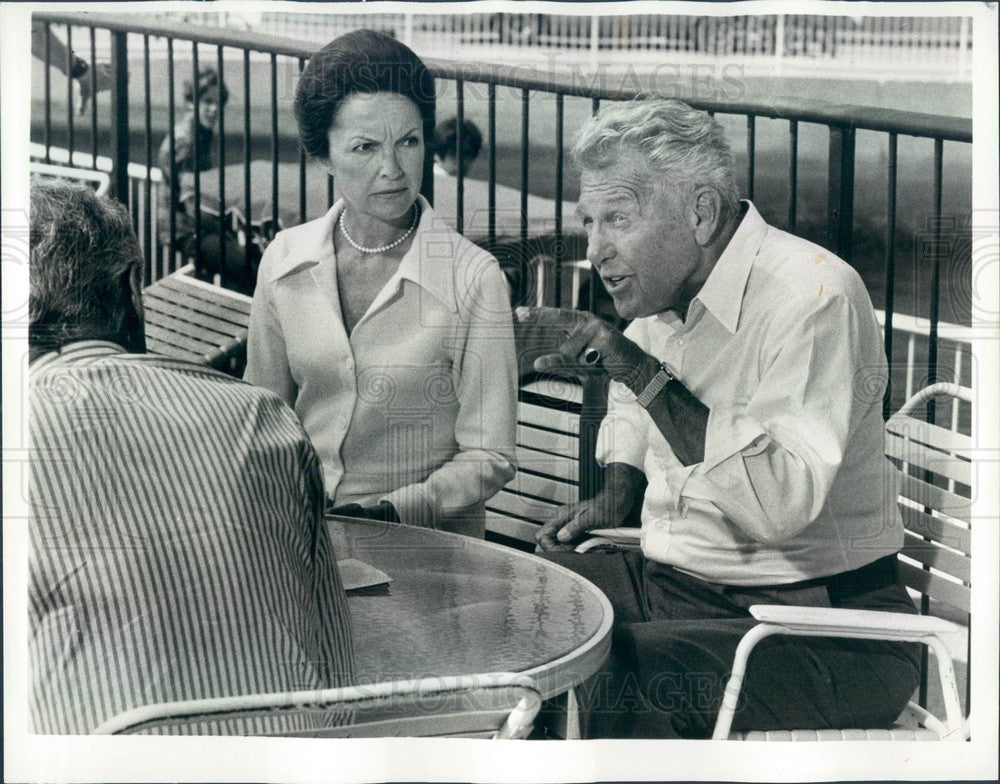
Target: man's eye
(619, 219)
(588, 222)
(365, 147)
(411, 141)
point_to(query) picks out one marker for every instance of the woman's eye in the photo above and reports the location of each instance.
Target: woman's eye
(411, 141)
(365, 147)
(588, 222)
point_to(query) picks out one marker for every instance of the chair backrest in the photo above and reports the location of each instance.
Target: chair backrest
(557, 422)
(548, 457)
(935, 499)
(492, 705)
(98, 180)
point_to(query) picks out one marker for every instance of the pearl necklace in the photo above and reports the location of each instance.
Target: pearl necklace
(381, 248)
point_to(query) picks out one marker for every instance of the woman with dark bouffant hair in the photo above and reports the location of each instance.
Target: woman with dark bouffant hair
(387, 332)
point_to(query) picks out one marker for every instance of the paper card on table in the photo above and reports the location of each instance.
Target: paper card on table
(355, 574)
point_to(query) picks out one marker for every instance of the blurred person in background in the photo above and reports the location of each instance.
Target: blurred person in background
(52, 51)
(195, 149)
(446, 152)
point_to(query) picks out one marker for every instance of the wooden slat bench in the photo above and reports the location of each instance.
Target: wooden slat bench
(555, 455)
(194, 320)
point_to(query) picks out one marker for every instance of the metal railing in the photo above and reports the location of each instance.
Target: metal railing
(255, 59)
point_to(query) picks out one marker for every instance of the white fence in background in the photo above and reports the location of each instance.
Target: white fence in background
(924, 49)
(897, 47)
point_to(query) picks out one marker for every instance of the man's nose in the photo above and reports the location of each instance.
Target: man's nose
(599, 249)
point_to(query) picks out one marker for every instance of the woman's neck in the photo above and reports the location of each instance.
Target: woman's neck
(372, 232)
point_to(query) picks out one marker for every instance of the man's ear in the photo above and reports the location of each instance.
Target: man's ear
(133, 328)
(707, 214)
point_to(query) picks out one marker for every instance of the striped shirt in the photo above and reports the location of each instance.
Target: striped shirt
(178, 549)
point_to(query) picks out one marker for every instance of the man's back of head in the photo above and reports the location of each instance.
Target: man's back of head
(85, 270)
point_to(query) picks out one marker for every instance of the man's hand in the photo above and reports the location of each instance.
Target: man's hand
(623, 488)
(581, 332)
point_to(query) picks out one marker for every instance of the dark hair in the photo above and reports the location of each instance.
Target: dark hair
(84, 268)
(446, 139)
(362, 61)
(208, 82)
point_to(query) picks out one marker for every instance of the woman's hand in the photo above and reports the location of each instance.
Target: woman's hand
(383, 511)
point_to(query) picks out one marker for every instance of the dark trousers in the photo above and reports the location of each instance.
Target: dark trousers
(674, 638)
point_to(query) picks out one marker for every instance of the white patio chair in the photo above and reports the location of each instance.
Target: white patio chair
(934, 562)
(492, 705)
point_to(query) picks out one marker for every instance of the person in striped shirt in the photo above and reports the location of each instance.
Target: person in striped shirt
(178, 549)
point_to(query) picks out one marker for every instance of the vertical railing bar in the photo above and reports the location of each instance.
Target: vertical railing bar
(329, 190)
(932, 351)
(147, 213)
(173, 173)
(751, 160)
(793, 173)
(460, 137)
(492, 177)
(523, 255)
(48, 92)
(890, 270)
(840, 195)
(196, 142)
(595, 106)
(248, 215)
(560, 244)
(222, 164)
(70, 124)
(302, 167)
(274, 141)
(93, 100)
(119, 102)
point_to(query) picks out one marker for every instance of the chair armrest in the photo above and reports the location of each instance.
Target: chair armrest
(844, 622)
(622, 537)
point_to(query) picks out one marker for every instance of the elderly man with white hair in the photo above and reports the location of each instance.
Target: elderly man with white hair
(745, 421)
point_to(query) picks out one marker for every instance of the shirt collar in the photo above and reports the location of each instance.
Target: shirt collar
(722, 293)
(76, 351)
(428, 262)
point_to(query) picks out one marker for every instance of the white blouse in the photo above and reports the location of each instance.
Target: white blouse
(415, 407)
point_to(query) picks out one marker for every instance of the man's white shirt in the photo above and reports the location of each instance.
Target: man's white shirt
(783, 346)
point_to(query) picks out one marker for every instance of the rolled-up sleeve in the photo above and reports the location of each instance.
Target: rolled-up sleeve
(484, 375)
(770, 460)
(267, 355)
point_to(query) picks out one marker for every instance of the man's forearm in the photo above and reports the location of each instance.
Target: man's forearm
(623, 486)
(676, 412)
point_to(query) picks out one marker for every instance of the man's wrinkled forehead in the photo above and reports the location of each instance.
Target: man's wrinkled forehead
(623, 180)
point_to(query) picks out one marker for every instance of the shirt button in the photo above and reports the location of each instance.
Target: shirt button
(343, 422)
(679, 342)
(348, 363)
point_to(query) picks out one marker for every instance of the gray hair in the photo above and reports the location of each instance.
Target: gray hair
(84, 268)
(685, 147)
